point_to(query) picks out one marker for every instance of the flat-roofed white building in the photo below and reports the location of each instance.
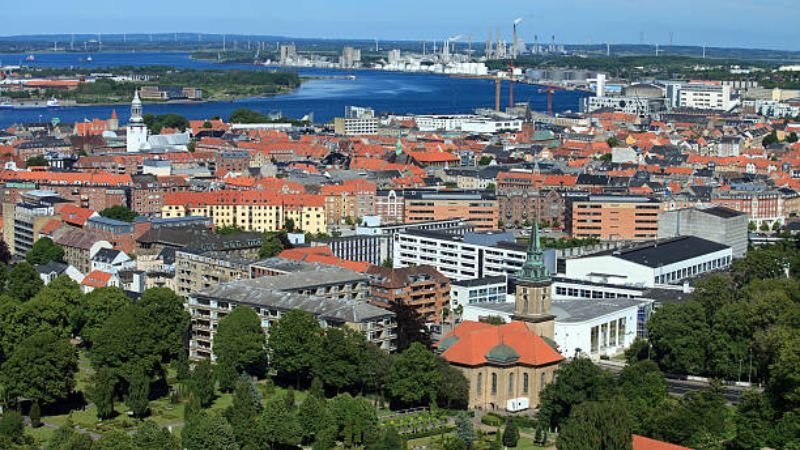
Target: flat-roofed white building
(666, 262)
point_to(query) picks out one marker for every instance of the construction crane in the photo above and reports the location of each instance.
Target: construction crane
(550, 89)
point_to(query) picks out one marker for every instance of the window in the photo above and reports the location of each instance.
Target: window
(494, 383)
(594, 339)
(511, 384)
(621, 331)
(480, 384)
(542, 381)
(612, 333)
(524, 383)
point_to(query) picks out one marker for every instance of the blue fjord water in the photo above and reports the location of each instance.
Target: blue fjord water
(394, 92)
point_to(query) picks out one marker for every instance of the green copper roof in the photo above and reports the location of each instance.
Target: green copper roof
(534, 269)
(447, 343)
(502, 354)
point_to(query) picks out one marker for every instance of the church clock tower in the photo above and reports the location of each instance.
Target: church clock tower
(533, 296)
(137, 129)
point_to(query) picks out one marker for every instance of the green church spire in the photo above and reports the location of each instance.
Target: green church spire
(534, 270)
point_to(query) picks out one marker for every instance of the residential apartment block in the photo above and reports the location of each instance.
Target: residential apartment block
(618, 217)
(422, 288)
(476, 207)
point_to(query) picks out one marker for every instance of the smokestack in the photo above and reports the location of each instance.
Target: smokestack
(514, 55)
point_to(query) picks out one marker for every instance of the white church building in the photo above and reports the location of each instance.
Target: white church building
(137, 132)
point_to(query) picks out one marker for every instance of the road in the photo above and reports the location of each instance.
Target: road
(680, 387)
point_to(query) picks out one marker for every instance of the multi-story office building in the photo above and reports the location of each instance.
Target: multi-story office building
(614, 217)
(449, 226)
(477, 291)
(371, 248)
(467, 257)
(718, 224)
(476, 207)
(26, 221)
(703, 95)
(208, 306)
(422, 288)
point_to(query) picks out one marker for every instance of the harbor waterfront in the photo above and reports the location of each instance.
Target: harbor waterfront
(325, 94)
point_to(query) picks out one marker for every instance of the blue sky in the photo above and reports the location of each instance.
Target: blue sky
(735, 23)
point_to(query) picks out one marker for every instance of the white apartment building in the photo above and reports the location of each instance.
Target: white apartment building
(465, 257)
(707, 96)
(442, 123)
(491, 126)
(355, 126)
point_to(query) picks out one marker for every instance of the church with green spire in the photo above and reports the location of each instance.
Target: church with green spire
(533, 292)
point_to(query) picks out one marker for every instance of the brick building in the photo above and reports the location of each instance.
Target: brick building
(422, 288)
(614, 217)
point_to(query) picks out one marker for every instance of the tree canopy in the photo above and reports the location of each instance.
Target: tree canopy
(240, 346)
(119, 212)
(43, 251)
(294, 344)
(42, 368)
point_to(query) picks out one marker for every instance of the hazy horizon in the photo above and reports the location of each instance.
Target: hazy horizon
(764, 24)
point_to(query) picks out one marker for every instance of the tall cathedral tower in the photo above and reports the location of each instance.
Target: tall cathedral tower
(137, 130)
(533, 296)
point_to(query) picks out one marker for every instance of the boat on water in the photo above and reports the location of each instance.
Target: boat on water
(53, 103)
(87, 59)
(30, 58)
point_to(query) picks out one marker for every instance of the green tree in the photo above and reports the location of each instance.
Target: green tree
(644, 387)
(167, 321)
(612, 142)
(453, 389)
(511, 434)
(247, 116)
(411, 327)
(792, 138)
(12, 427)
(339, 359)
(271, 246)
(491, 187)
(36, 415)
(116, 440)
(36, 161)
(66, 438)
(578, 381)
(119, 212)
(5, 253)
(695, 417)
(42, 367)
(356, 420)
(755, 422)
(415, 376)
(311, 416)
(485, 160)
(294, 344)
(137, 399)
(150, 436)
(289, 225)
(101, 392)
(96, 307)
(388, 263)
(240, 346)
(679, 335)
(278, 424)
(203, 383)
(243, 413)
(208, 431)
(24, 282)
(604, 425)
(464, 429)
(121, 346)
(639, 350)
(44, 251)
(391, 440)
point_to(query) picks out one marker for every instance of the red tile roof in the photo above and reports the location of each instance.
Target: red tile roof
(96, 279)
(322, 255)
(476, 339)
(645, 443)
(75, 215)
